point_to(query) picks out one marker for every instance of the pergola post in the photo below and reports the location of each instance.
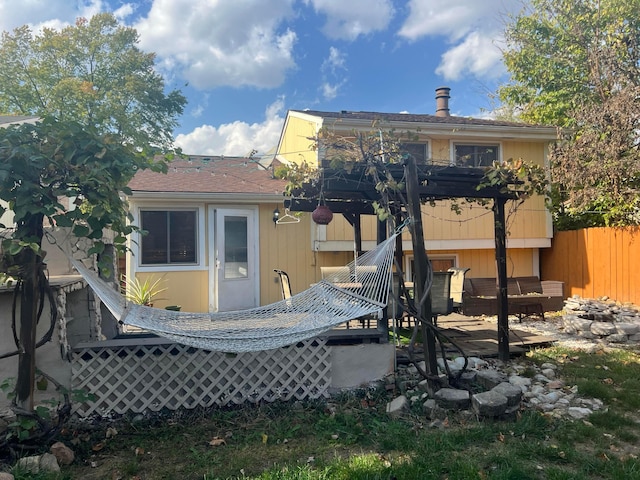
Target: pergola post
(421, 269)
(501, 264)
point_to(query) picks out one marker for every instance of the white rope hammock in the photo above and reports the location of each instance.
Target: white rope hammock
(360, 288)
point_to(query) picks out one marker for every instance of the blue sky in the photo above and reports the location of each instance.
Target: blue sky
(243, 63)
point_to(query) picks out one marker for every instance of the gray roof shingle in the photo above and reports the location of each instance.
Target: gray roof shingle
(210, 174)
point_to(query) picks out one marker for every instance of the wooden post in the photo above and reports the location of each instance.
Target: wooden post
(501, 264)
(383, 324)
(421, 268)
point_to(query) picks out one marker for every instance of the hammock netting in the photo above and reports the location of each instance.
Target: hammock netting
(360, 288)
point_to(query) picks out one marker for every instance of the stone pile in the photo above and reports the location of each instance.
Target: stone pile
(601, 320)
(486, 389)
(490, 389)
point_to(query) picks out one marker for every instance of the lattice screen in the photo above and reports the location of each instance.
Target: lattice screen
(151, 377)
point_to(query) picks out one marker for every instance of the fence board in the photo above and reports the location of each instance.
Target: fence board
(595, 262)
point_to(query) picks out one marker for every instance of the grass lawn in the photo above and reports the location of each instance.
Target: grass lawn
(351, 437)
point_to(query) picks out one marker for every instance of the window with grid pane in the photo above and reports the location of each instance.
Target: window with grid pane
(417, 151)
(171, 237)
(476, 155)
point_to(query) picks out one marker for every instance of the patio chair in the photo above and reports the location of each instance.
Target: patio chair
(285, 284)
(457, 286)
(441, 301)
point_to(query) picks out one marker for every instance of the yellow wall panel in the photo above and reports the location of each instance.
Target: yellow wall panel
(297, 142)
(188, 289)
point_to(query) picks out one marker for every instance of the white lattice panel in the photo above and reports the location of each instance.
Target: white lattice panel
(139, 378)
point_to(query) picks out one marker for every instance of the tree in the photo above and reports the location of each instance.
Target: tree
(40, 165)
(576, 64)
(554, 54)
(105, 113)
(93, 73)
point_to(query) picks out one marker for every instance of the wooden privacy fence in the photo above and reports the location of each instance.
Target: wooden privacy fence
(154, 374)
(596, 262)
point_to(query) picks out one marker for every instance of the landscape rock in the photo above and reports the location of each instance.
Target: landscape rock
(489, 404)
(433, 411)
(39, 463)
(452, 399)
(511, 392)
(398, 405)
(63, 454)
(490, 378)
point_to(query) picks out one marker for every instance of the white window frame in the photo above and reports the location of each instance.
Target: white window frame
(457, 143)
(136, 246)
(427, 149)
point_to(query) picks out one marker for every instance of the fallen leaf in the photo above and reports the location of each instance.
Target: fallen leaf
(588, 424)
(111, 432)
(562, 454)
(607, 381)
(217, 442)
(98, 446)
(139, 451)
(265, 437)
(501, 437)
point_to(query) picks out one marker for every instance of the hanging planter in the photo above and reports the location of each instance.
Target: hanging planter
(322, 215)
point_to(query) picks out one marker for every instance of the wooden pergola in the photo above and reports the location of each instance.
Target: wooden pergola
(353, 192)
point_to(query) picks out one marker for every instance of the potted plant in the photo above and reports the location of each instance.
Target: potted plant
(143, 292)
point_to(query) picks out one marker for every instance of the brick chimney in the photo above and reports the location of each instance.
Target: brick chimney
(442, 101)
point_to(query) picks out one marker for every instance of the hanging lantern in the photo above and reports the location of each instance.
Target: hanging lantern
(322, 215)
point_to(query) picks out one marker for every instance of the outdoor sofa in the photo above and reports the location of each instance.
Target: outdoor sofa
(525, 296)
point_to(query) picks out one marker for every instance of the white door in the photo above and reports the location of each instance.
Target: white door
(234, 267)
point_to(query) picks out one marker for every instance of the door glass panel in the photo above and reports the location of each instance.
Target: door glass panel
(236, 247)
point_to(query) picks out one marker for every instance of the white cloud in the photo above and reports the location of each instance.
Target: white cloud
(329, 91)
(45, 13)
(333, 68)
(477, 55)
(347, 20)
(221, 43)
(335, 60)
(473, 28)
(237, 138)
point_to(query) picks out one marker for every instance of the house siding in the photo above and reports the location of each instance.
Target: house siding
(296, 145)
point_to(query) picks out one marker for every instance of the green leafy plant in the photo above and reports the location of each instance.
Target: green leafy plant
(143, 292)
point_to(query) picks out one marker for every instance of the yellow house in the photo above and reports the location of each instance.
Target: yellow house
(452, 240)
(213, 241)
